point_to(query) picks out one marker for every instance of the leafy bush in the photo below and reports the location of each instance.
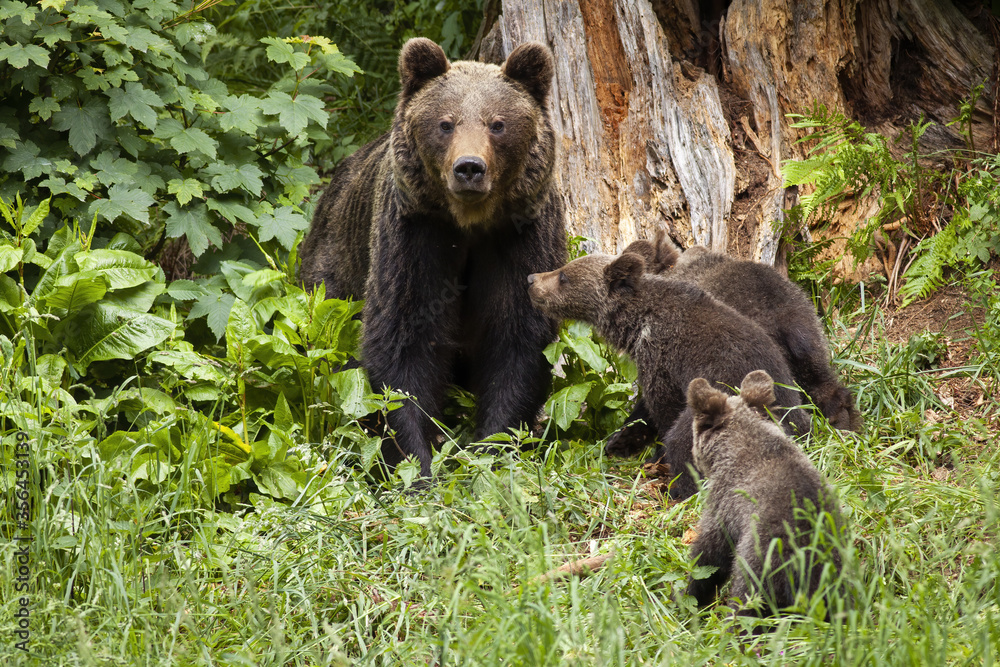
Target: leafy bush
(952, 215)
(370, 32)
(108, 108)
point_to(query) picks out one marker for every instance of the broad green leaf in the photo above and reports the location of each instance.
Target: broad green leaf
(193, 140)
(192, 222)
(232, 210)
(215, 307)
(263, 278)
(239, 330)
(278, 479)
(353, 389)
(123, 200)
(19, 55)
(283, 418)
(281, 52)
(140, 297)
(10, 294)
(186, 290)
(185, 189)
(15, 8)
(284, 226)
(84, 123)
(51, 367)
(136, 101)
(44, 107)
(10, 257)
(244, 114)
(62, 264)
(589, 352)
(226, 177)
(193, 366)
(111, 332)
(76, 290)
(294, 114)
(564, 406)
(121, 268)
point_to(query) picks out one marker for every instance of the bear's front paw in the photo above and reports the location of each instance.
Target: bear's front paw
(630, 440)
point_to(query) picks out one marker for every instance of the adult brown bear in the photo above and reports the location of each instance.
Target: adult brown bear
(435, 225)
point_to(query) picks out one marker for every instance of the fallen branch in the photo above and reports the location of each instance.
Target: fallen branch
(578, 568)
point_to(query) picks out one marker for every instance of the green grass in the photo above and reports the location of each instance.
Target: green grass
(357, 573)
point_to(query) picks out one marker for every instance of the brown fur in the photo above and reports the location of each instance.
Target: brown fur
(435, 225)
(674, 331)
(763, 489)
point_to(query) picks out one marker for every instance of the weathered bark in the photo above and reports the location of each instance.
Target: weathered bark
(673, 112)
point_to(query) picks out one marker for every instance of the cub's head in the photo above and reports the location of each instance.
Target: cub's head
(480, 132)
(719, 414)
(586, 288)
(660, 254)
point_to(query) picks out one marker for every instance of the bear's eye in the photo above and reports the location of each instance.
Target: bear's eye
(447, 126)
(562, 278)
(497, 127)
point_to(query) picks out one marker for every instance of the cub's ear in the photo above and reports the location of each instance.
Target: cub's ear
(707, 403)
(665, 254)
(644, 249)
(757, 389)
(624, 272)
(531, 66)
(420, 60)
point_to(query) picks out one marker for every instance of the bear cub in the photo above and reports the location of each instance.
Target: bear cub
(435, 224)
(774, 303)
(675, 332)
(765, 499)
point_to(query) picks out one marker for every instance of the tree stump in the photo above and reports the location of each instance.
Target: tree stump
(673, 113)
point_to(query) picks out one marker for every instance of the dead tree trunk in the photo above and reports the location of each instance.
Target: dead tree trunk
(673, 112)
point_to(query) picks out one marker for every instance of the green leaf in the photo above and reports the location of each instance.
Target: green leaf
(11, 296)
(10, 257)
(281, 52)
(35, 218)
(193, 140)
(19, 55)
(111, 332)
(215, 307)
(44, 107)
(123, 200)
(193, 223)
(76, 290)
(84, 123)
(284, 226)
(589, 352)
(243, 114)
(226, 177)
(186, 290)
(294, 114)
(135, 101)
(353, 389)
(564, 406)
(185, 189)
(15, 8)
(239, 330)
(121, 268)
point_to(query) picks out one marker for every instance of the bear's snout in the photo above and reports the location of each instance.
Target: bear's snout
(469, 170)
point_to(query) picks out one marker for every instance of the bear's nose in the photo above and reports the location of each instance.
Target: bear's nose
(469, 169)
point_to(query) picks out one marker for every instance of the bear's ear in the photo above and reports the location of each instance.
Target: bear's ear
(420, 60)
(707, 403)
(757, 389)
(624, 272)
(531, 66)
(642, 248)
(665, 254)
